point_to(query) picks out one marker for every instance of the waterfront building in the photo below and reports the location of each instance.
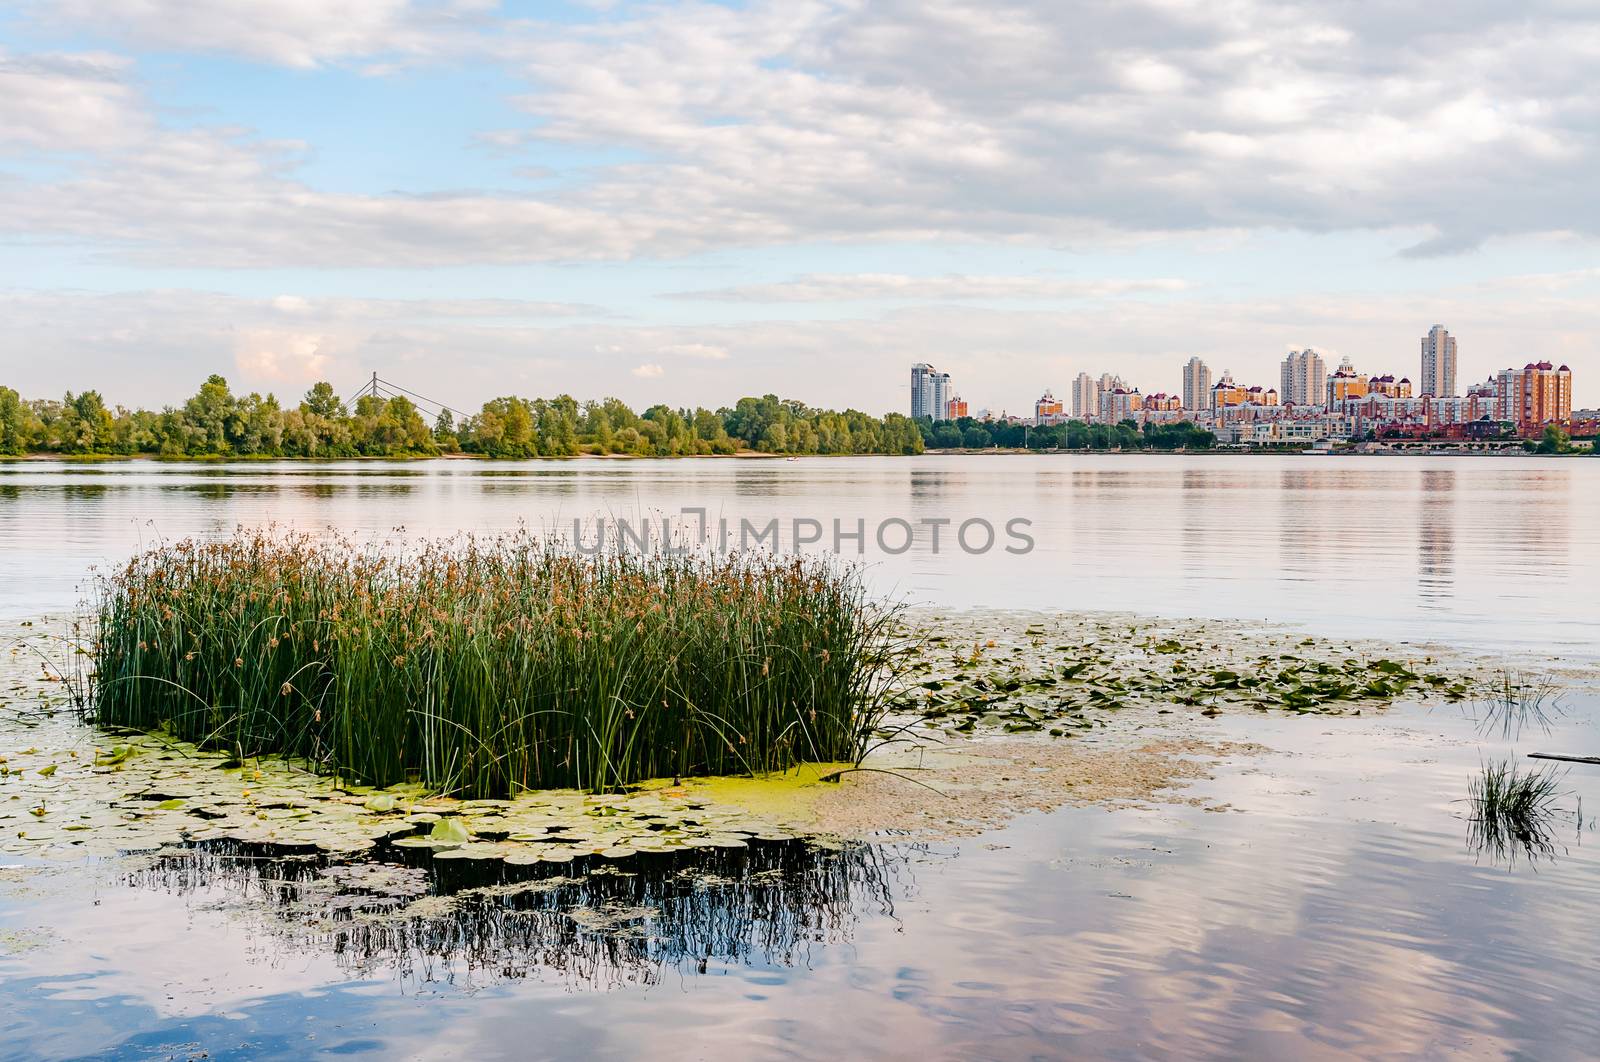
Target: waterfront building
(1047, 410)
(955, 408)
(1438, 363)
(1302, 378)
(1533, 396)
(1119, 404)
(1305, 430)
(1477, 404)
(1085, 397)
(1163, 403)
(1225, 392)
(1345, 383)
(1196, 384)
(1259, 396)
(930, 391)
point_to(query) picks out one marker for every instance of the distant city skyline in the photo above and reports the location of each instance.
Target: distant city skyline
(1309, 404)
(798, 199)
(1304, 380)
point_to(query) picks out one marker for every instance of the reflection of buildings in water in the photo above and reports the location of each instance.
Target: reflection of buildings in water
(601, 925)
(1529, 529)
(1436, 536)
(928, 494)
(1302, 526)
(1196, 536)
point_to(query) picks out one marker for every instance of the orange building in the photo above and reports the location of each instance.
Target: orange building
(1346, 383)
(1226, 393)
(1546, 395)
(955, 408)
(1047, 410)
(1162, 402)
(1261, 396)
(1389, 386)
(1534, 395)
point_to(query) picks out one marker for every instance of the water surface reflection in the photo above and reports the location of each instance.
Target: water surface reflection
(593, 925)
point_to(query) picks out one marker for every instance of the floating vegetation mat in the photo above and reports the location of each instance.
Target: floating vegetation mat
(976, 738)
(76, 791)
(1063, 674)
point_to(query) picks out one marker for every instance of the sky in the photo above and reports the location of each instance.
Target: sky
(693, 202)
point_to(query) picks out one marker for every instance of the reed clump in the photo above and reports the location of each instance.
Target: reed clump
(1513, 811)
(484, 666)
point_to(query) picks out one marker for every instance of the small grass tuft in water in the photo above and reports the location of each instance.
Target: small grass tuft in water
(1513, 700)
(481, 667)
(1513, 811)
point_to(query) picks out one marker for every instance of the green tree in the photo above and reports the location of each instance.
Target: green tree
(210, 418)
(19, 426)
(323, 401)
(1555, 440)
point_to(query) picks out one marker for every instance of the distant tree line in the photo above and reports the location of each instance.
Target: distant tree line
(217, 423)
(970, 434)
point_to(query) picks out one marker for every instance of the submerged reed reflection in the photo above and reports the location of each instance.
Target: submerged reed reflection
(605, 924)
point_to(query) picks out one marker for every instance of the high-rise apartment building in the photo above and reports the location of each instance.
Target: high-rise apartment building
(1196, 384)
(1534, 395)
(921, 390)
(1120, 404)
(1085, 397)
(930, 391)
(1439, 363)
(956, 408)
(1303, 378)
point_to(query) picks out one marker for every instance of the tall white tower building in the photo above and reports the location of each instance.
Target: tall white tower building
(930, 391)
(1438, 363)
(1196, 384)
(1304, 378)
(1085, 397)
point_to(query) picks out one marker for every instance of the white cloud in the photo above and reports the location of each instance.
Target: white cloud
(62, 103)
(849, 287)
(296, 33)
(828, 120)
(649, 371)
(277, 357)
(703, 351)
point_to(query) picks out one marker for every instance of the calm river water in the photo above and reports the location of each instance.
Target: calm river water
(1334, 908)
(1477, 550)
